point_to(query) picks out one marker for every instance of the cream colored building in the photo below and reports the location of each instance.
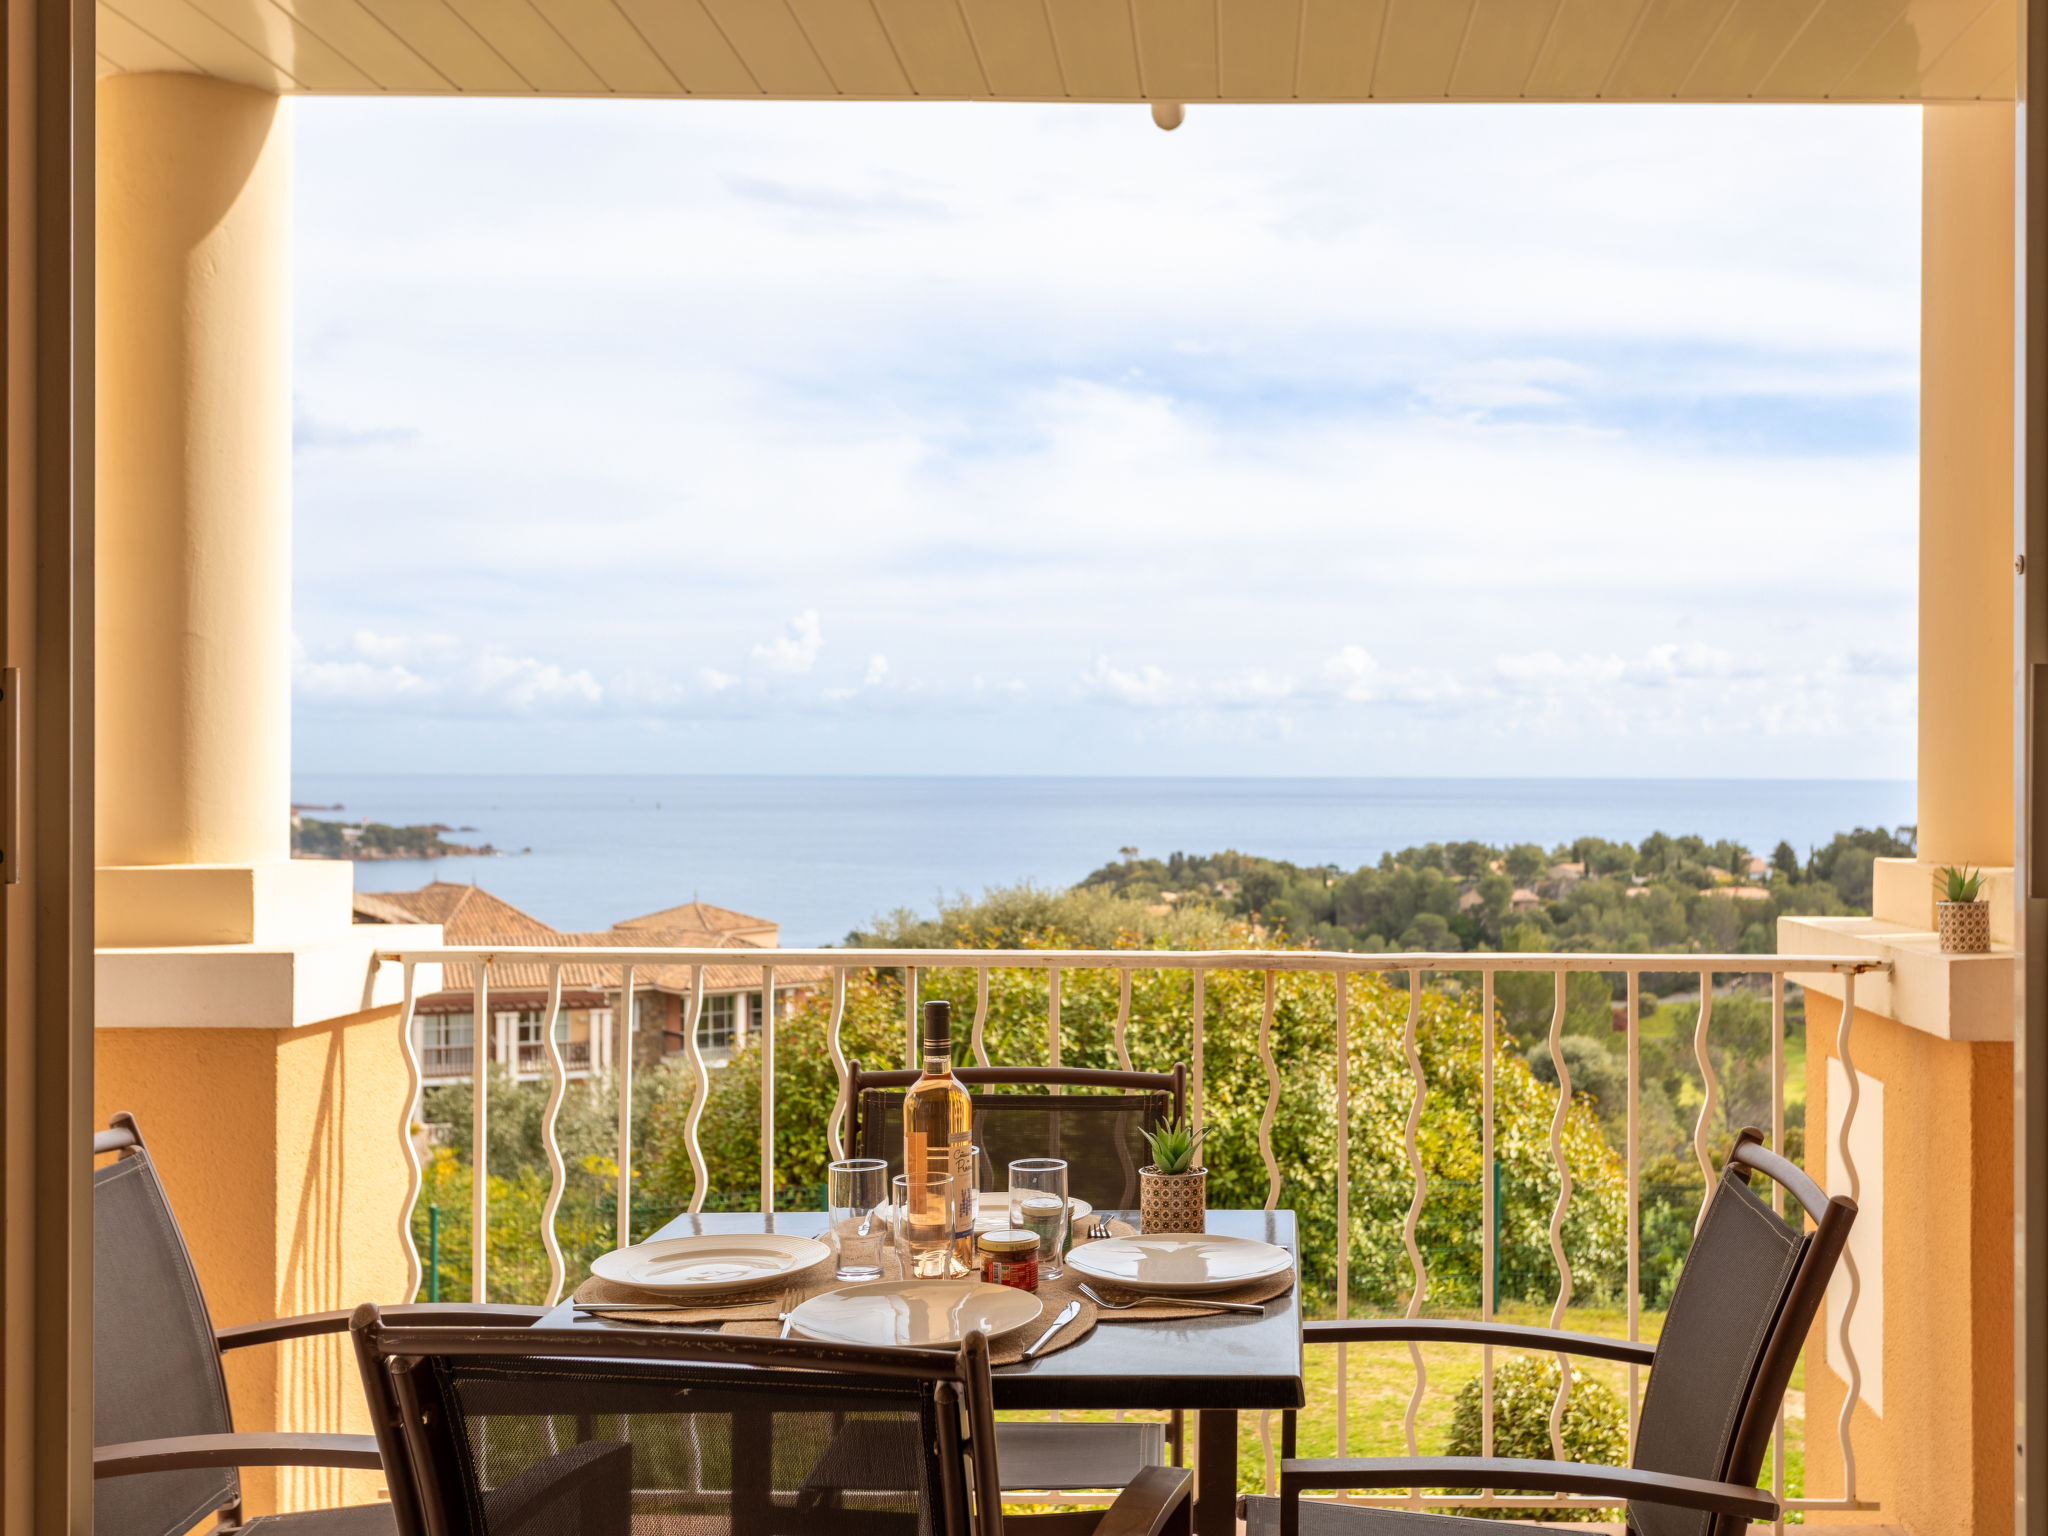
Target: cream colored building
(162, 953)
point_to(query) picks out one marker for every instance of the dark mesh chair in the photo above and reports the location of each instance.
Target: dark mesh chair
(1094, 1126)
(1745, 1299)
(581, 1432)
(165, 1450)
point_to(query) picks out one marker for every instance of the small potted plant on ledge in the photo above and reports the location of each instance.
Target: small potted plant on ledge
(1961, 916)
(1172, 1191)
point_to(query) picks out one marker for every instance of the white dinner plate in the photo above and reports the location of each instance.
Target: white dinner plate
(913, 1312)
(709, 1263)
(1182, 1264)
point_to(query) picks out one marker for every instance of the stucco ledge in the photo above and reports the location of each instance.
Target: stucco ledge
(1951, 996)
(255, 986)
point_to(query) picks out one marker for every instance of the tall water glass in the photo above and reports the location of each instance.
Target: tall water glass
(973, 1195)
(1038, 1203)
(857, 1202)
(927, 1223)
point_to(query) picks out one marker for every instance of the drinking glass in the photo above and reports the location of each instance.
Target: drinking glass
(1038, 1203)
(858, 1191)
(927, 1225)
(972, 1197)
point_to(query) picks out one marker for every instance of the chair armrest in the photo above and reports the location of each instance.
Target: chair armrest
(1158, 1500)
(426, 1314)
(183, 1452)
(1429, 1330)
(1529, 1477)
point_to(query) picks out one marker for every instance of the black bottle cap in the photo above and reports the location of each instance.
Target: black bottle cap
(938, 1021)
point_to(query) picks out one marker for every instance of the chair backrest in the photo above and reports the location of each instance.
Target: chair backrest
(583, 1432)
(1739, 1315)
(1093, 1122)
(156, 1369)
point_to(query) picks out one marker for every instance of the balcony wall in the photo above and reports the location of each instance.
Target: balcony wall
(1933, 1138)
(276, 1147)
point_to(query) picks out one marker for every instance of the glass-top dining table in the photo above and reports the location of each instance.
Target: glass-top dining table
(1215, 1366)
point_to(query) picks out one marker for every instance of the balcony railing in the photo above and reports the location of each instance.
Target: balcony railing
(1198, 966)
(445, 1061)
(442, 1063)
(533, 1057)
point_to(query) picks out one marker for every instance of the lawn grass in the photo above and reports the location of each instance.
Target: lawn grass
(1382, 1379)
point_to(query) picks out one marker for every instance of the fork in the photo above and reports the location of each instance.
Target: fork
(1257, 1308)
(1100, 1229)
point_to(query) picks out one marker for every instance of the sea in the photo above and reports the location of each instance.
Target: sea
(823, 856)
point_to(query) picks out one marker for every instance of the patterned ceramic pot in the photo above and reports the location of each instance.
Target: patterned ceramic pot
(1172, 1202)
(1965, 926)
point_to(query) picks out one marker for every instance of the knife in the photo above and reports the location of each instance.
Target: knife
(1068, 1313)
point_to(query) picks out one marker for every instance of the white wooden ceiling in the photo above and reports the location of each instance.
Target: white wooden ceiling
(1087, 50)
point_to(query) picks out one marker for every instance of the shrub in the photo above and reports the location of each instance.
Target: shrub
(1595, 1427)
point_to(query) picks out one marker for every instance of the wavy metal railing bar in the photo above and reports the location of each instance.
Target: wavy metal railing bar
(1711, 1100)
(768, 1087)
(1120, 1031)
(479, 1126)
(1420, 1287)
(1633, 1154)
(1488, 1280)
(980, 1015)
(1777, 1204)
(1343, 1206)
(700, 1091)
(409, 1148)
(1564, 1197)
(1855, 1181)
(558, 1173)
(835, 1128)
(1052, 1020)
(622, 1069)
(1272, 1097)
(913, 1055)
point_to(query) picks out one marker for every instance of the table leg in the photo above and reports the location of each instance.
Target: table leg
(1216, 1472)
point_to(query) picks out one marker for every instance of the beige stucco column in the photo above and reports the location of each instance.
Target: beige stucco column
(193, 755)
(1966, 520)
(194, 465)
(1966, 484)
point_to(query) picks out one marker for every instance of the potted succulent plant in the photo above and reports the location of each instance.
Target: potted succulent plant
(1172, 1191)
(1961, 916)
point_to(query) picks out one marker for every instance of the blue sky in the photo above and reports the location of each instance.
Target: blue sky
(736, 437)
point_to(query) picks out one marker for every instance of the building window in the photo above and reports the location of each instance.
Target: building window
(721, 1021)
(443, 1029)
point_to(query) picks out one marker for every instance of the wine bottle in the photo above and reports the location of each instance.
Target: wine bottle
(938, 1130)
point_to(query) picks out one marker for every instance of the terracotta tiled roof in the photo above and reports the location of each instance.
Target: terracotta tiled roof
(701, 914)
(468, 914)
(532, 975)
(370, 907)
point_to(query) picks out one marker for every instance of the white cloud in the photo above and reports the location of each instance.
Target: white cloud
(795, 651)
(1146, 688)
(1446, 440)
